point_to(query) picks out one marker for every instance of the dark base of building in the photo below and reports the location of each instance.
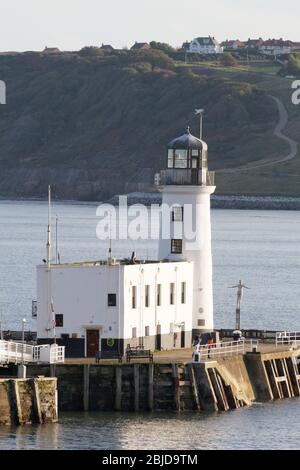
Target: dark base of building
(115, 347)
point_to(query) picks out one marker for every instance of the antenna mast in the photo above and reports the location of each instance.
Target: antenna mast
(49, 230)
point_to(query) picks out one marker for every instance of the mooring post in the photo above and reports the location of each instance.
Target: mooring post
(118, 397)
(136, 372)
(176, 386)
(19, 416)
(150, 386)
(86, 386)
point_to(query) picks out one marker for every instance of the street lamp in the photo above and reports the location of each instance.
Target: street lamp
(23, 339)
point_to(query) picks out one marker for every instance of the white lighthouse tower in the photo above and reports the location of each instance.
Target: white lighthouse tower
(186, 186)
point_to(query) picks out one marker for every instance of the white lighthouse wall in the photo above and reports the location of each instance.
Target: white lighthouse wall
(168, 316)
(197, 198)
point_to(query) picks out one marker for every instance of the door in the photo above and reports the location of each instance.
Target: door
(182, 337)
(158, 338)
(92, 342)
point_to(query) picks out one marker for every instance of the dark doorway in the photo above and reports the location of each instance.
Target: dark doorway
(182, 337)
(92, 342)
(158, 338)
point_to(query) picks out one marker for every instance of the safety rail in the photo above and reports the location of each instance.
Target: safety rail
(15, 353)
(21, 353)
(287, 337)
(224, 348)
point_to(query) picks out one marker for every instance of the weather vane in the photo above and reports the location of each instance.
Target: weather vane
(240, 293)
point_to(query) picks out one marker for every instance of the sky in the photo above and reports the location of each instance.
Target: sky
(73, 24)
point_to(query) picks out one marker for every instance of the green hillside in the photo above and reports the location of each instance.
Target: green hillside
(95, 124)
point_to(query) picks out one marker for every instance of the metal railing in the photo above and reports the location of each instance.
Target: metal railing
(15, 353)
(287, 337)
(18, 353)
(226, 348)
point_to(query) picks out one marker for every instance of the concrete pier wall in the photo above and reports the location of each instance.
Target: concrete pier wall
(221, 385)
(27, 401)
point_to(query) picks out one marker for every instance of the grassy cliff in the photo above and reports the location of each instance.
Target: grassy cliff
(94, 124)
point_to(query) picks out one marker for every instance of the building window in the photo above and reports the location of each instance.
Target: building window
(59, 320)
(176, 246)
(158, 299)
(111, 300)
(147, 330)
(183, 292)
(177, 214)
(172, 293)
(133, 299)
(134, 332)
(201, 322)
(147, 296)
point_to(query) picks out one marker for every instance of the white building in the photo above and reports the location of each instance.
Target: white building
(205, 45)
(159, 304)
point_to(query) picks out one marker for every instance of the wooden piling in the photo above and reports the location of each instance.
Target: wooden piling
(136, 373)
(194, 386)
(150, 386)
(86, 386)
(37, 402)
(118, 395)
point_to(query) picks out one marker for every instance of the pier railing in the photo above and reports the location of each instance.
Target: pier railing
(21, 353)
(226, 348)
(287, 337)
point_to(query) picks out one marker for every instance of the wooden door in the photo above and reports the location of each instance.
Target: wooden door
(92, 342)
(182, 337)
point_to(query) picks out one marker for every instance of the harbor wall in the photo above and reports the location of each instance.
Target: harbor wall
(221, 385)
(28, 401)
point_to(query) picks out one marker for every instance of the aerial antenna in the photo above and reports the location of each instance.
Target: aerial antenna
(49, 229)
(56, 240)
(199, 112)
(109, 249)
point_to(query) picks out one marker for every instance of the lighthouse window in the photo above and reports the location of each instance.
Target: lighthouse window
(177, 214)
(59, 320)
(180, 158)
(176, 246)
(147, 330)
(111, 300)
(133, 332)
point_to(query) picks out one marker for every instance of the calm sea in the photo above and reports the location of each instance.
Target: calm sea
(260, 247)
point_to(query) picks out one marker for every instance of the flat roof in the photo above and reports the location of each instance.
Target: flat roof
(115, 262)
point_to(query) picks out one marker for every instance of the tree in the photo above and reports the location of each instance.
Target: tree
(228, 60)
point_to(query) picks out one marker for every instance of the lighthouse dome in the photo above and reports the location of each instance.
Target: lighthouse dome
(187, 141)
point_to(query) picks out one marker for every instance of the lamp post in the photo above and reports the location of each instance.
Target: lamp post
(23, 339)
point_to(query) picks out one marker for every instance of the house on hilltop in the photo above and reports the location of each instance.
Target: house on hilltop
(107, 47)
(254, 43)
(205, 45)
(276, 47)
(51, 50)
(233, 44)
(137, 46)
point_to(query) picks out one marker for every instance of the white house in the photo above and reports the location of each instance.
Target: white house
(160, 304)
(205, 45)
